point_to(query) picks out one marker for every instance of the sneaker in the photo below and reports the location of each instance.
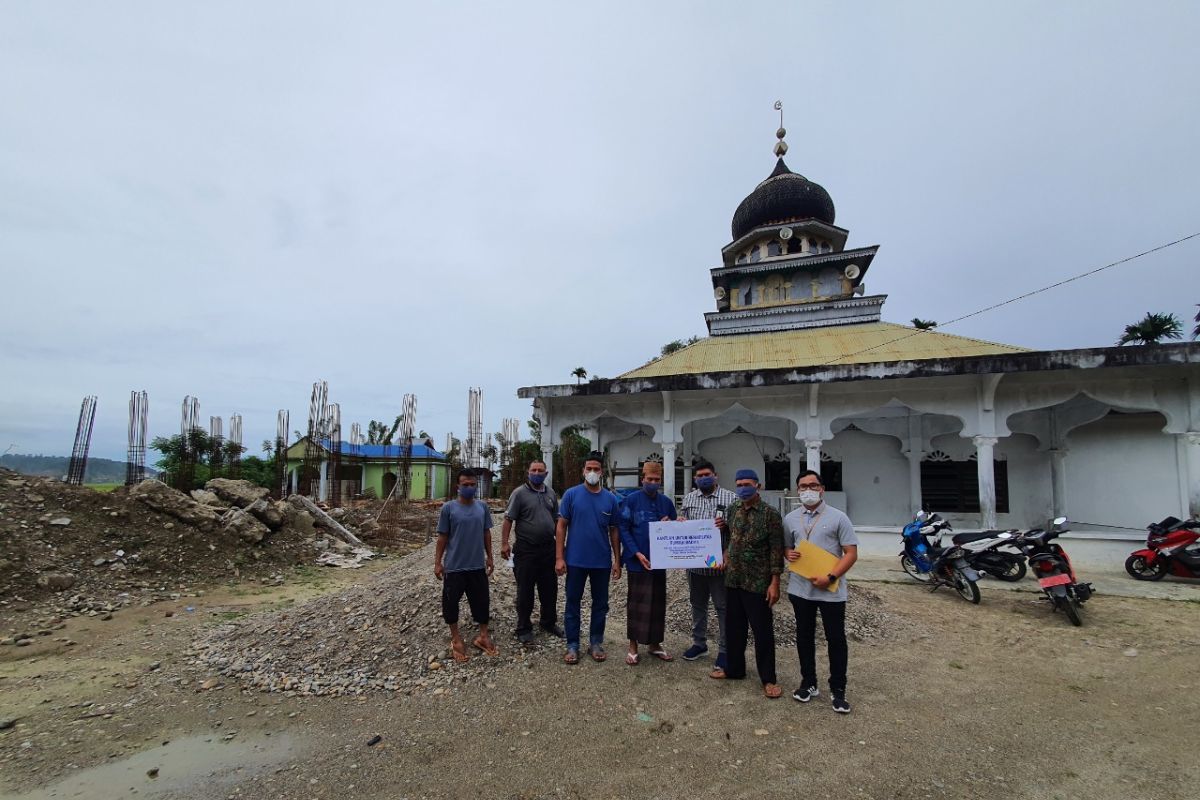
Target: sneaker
(719, 662)
(554, 630)
(525, 637)
(803, 695)
(840, 705)
(694, 652)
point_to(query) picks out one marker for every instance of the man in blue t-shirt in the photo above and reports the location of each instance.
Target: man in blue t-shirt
(587, 549)
(462, 561)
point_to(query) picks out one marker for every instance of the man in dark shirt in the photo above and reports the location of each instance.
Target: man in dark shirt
(533, 506)
(753, 565)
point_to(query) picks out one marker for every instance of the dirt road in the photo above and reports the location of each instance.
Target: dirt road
(1002, 700)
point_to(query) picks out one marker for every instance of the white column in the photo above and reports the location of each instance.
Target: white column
(548, 457)
(324, 473)
(362, 480)
(794, 473)
(1191, 445)
(914, 479)
(987, 479)
(668, 452)
(813, 458)
(1058, 481)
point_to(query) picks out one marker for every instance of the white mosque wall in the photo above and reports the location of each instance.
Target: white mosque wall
(1122, 470)
(1030, 497)
(874, 477)
(627, 453)
(735, 451)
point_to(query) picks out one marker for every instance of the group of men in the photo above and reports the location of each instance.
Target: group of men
(590, 534)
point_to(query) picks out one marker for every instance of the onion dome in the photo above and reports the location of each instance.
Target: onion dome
(784, 196)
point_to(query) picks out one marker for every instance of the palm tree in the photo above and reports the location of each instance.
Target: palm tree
(1196, 330)
(923, 324)
(580, 373)
(1152, 328)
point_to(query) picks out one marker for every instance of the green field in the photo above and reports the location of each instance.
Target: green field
(103, 487)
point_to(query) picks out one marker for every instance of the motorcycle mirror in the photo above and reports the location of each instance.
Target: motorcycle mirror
(1060, 520)
(1005, 535)
(921, 515)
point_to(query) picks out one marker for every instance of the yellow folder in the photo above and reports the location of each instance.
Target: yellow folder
(814, 562)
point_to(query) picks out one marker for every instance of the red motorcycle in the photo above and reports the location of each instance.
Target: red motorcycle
(1169, 548)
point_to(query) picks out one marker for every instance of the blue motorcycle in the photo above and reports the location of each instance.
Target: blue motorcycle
(930, 563)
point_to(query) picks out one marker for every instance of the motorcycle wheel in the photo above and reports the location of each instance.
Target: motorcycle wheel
(1013, 571)
(967, 590)
(1068, 605)
(910, 566)
(1139, 569)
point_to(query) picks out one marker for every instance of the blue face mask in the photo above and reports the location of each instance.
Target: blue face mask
(706, 483)
(746, 492)
(537, 478)
(650, 487)
(467, 492)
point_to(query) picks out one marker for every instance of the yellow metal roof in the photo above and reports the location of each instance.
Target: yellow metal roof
(863, 343)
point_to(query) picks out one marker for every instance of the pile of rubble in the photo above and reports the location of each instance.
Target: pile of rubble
(82, 550)
(388, 635)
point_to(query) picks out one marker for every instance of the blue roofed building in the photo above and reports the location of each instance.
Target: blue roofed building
(372, 469)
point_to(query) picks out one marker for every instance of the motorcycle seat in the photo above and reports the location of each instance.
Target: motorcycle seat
(967, 538)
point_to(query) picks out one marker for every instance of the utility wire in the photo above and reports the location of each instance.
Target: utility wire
(994, 306)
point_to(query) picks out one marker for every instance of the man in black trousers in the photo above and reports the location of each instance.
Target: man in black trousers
(533, 506)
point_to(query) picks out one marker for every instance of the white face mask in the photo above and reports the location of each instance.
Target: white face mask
(810, 497)
(591, 477)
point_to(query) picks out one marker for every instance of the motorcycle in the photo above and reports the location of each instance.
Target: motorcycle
(984, 553)
(1169, 549)
(931, 563)
(1052, 566)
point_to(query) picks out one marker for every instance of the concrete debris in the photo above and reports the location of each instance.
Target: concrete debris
(237, 493)
(164, 499)
(386, 634)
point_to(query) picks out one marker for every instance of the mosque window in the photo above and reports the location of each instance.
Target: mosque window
(826, 247)
(794, 245)
(755, 254)
(747, 293)
(774, 249)
(954, 485)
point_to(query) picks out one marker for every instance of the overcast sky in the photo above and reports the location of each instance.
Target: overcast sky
(232, 200)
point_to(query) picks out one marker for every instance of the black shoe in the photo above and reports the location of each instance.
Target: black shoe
(803, 695)
(840, 705)
(525, 637)
(554, 630)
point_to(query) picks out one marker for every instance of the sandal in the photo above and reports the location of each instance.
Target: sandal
(460, 655)
(597, 653)
(632, 659)
(772, 691)
(718, 674)
(662, 655)
(571, 656)
(487, 647)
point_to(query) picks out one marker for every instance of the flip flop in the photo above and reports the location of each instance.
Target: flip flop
(632, 659)
(597, 653)
(662, 655)
(460, 656)
(772, 691)
(490, 650)
(718, 674)
(571, 656)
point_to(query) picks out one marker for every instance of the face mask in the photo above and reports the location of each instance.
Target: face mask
(810, 497)
(651, 488)
(467, 492)
(706, 483)
(537, 478)
(592, 478)
(746, 492)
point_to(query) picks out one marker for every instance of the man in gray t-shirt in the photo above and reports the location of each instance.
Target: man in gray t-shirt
(533, 508)
(830, 530)
(462, 561)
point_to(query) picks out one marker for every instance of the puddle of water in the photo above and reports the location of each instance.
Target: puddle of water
(183, 764)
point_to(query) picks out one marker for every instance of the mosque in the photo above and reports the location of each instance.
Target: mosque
(800, 371)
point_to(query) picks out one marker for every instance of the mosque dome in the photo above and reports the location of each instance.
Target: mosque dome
(783, 197)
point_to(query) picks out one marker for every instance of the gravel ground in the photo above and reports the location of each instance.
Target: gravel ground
(1001, 700)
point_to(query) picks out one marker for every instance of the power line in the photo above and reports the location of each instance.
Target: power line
(994, 306)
